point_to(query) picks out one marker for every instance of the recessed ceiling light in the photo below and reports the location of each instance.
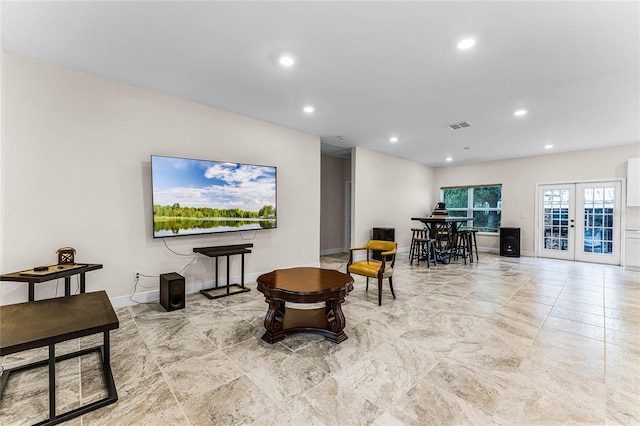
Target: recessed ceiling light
(286, 61)
(520, 112)
(466, 43)
(449, 159)
(308, 109)
(393, 139)
(548, 146)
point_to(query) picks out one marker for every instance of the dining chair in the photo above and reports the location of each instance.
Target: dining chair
(371, 268)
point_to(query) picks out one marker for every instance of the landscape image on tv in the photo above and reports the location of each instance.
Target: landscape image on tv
(198, 196)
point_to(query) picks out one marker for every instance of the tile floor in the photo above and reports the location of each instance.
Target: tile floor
(501, 341)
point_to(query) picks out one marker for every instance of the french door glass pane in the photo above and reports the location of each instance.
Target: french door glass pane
(598, 220)
(556, 219)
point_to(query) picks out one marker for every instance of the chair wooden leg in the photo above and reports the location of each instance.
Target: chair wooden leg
(367, 289)
(391, 286)
(379, 291)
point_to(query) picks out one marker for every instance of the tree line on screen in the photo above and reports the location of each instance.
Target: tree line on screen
(176, 211)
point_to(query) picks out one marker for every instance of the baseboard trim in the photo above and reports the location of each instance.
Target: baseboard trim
(154, 295)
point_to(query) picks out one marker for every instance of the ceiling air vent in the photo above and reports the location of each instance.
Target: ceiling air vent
(460, 125)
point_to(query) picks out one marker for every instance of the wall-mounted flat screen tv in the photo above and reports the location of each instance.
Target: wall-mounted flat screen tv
(200, 196)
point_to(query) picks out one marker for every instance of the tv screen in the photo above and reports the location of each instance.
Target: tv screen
(199, 196)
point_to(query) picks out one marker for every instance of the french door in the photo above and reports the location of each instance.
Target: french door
(580, 221)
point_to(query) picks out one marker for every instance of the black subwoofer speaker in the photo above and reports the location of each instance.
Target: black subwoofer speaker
(510, 242)
(172, 293)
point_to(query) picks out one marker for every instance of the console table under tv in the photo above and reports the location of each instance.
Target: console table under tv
(53, 272)
(225, 251)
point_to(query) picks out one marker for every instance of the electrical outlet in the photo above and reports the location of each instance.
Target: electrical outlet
(136, 275)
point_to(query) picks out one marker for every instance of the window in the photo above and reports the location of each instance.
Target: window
(482, 203)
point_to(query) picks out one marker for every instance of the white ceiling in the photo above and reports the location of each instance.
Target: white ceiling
(372, 70)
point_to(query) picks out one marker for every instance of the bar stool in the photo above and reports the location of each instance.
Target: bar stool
(461, 247)
(473, 243)
(444, 241)
(422, 247)
(425, 250)
(416, 233)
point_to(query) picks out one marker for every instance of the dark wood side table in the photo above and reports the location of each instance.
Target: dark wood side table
(30, 325)
(225, 251)
(304, 285)
(54, 272)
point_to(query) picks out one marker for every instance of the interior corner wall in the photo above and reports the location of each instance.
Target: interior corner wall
(334, 172)
(76, 172)
(388, 192)
(520, 176)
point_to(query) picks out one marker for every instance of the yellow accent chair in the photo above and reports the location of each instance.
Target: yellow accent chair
(372, 268)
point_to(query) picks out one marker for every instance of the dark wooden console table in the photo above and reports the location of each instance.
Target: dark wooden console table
(53, 273)
(30, 325)
(225, 251)
(305, 285)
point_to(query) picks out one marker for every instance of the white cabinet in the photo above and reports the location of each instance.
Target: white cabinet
(632, 248)
(633, 182)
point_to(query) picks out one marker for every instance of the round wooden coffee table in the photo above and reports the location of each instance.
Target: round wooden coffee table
(304, 285)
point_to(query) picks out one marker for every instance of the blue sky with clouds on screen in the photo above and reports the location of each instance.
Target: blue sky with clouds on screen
(200, 183)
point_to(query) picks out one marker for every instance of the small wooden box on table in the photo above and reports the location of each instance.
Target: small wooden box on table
(53, 272)
(225, 251)
(31, 325)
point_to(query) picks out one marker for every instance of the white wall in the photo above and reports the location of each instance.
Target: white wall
(76, 172)
(334, 173)
(520, 176)
(2, 127)
(388, 192)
